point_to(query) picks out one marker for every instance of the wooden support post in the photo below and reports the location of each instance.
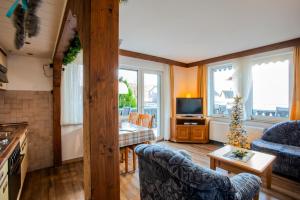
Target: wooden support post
(57, 158)
(99, 32)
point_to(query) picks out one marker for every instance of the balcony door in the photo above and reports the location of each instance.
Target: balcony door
(151, 99)
(141, 91)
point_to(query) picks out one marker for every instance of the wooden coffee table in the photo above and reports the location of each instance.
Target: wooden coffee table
(259, 164)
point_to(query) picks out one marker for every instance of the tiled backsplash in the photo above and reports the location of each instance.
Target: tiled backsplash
(36, 108)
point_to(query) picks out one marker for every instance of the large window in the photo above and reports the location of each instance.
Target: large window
(263, 81)
(222, 91)
(271, 89)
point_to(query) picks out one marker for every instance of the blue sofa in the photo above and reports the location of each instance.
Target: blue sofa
(283, 141)
(166, 174)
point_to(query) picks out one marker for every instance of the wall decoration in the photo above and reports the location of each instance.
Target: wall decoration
(25, 20)
(19, 25)
(73, 50)
(237, 135)
(32, 20)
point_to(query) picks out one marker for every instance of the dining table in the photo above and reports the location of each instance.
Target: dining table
(131, 134)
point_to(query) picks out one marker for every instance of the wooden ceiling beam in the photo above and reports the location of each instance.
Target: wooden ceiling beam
(142, 56)
(249, 52)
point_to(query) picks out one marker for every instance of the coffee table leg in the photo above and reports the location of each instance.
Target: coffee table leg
(212, 163)
(269, 177)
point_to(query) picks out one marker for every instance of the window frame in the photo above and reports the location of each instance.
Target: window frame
(211, 99)
(141, 70)
(243, 62)
(289, 56)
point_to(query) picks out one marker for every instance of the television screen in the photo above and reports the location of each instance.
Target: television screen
(189, 106)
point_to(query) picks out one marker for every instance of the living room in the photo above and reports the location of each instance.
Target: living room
(139, 99)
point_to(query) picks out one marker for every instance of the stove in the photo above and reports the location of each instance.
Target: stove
(5, 140)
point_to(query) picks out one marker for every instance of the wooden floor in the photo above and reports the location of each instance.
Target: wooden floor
(66, 182)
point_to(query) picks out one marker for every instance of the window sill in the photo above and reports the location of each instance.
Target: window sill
(267, 120)
(250, 122)
(65, 125)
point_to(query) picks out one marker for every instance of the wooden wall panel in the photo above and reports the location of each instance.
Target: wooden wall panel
(57, 157)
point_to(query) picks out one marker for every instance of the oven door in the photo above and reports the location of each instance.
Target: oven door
(14, 179)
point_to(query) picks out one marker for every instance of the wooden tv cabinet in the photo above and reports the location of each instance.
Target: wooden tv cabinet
(189, 129)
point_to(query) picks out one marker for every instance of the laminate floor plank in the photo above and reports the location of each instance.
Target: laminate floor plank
(66, 182)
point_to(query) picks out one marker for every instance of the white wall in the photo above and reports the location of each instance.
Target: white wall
(72, 142)
(192, 81)
(26, 73)
(185, 81)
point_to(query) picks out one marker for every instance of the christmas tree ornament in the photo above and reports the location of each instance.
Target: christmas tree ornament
(237, 135)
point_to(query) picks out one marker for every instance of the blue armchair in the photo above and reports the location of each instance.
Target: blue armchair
(166, 174)
(282, 140)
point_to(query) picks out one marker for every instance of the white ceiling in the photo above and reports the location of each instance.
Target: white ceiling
(192, 30)
(50, 13)
(182, 30)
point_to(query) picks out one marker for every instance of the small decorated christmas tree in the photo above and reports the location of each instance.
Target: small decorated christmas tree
(237, 135)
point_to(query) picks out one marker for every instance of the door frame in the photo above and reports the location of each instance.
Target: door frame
(140, 99)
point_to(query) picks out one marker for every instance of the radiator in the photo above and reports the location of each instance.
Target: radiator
(218, 131)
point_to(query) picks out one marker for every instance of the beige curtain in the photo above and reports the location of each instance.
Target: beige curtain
(172, 111)
(295, 108)
(202, 86)
(172, 107)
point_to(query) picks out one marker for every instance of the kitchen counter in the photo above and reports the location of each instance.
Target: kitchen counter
(18, 130)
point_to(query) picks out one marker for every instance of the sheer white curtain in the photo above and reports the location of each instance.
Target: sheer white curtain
(72, 93)
(167, 102)
(247, 88)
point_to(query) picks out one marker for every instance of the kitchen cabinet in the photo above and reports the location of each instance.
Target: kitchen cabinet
(3, 61)
(4, 182)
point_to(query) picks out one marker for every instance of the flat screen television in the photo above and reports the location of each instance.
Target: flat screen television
(189, 106)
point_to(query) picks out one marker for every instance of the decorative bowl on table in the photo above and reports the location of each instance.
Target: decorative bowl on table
(240, 153)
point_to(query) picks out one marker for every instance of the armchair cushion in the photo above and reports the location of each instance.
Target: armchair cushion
(284, 133)
(246, 185)
(287, 157)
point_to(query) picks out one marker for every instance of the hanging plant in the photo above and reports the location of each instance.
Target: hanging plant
(19, 25)
(74, 49)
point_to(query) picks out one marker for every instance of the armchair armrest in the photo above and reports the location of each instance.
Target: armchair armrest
(185, 154)
(246, 185)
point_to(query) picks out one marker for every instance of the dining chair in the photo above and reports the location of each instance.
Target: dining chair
(146, 120)
(133, 118)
